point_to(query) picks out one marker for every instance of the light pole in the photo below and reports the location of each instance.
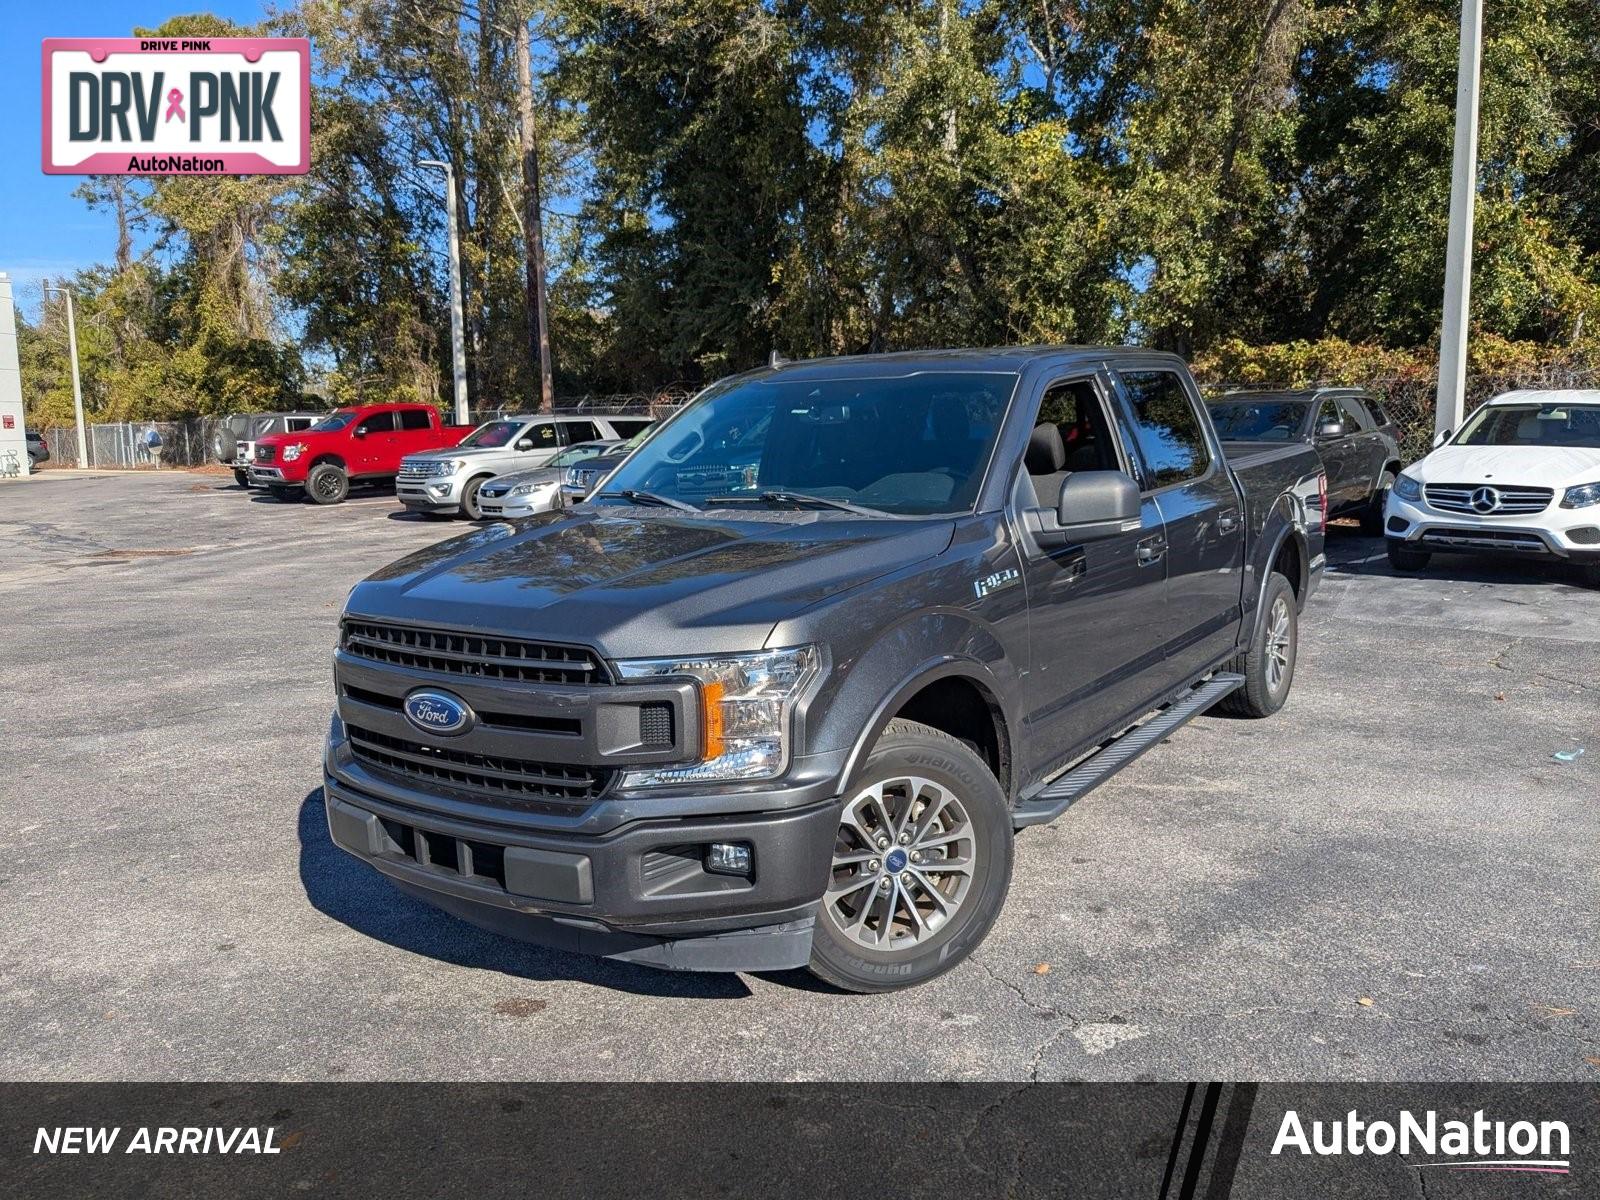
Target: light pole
(1448, 410)
(77, 387)
(458, 341)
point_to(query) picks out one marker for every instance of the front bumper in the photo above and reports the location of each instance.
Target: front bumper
(439, 494)
(272, 477)
(1572, 534)
(513, 507)
(640, 893)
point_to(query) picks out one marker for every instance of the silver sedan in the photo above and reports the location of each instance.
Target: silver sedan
(538, 490)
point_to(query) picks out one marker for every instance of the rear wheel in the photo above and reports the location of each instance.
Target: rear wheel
(1372, 514)
(920, 866)
(1268, 663)
(1404, 558)
(327, 484)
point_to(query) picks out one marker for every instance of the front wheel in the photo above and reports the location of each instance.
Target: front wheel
(469, 498)
(327, 484)
(242, 478)
(921, 864)
(1404, 558)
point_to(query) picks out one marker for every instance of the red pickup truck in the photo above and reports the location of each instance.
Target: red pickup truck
(349, 445)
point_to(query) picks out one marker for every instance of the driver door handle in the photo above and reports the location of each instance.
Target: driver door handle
(1227, 522)
(1152, 549)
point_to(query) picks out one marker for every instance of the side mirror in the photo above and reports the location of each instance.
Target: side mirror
(1330, 429)
(524, 444)
(360, 431)
(1092, 505)
(1441, 437)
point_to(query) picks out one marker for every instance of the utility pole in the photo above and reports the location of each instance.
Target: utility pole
(458, 344)
(77, 386)
(1458, 253)
(532, 221)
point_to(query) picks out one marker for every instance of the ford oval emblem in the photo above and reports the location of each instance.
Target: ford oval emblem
(437, 712)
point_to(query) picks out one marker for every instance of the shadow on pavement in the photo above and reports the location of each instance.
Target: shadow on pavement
(1350, 552)
(355, 895)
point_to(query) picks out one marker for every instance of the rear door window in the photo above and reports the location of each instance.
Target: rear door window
(580, 431)
(1166, 426)
(414, 418)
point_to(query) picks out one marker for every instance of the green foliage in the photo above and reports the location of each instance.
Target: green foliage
(1261, 184)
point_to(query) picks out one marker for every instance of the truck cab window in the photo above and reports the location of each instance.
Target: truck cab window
(382, 422)
(1171, 440)
(414, 418)
(1077, 414)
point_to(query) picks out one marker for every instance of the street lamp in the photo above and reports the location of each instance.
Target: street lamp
(77, 387)
(1451, 402)
(458, 343)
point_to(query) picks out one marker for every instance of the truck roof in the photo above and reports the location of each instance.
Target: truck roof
(1006, 359)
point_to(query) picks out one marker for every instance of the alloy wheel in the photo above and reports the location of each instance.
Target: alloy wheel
(1279, 638)
(902, 864)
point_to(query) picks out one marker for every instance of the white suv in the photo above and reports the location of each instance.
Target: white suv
(1521, 478)
(448, 481)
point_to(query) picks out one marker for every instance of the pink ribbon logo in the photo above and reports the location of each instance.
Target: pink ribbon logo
(175, 105)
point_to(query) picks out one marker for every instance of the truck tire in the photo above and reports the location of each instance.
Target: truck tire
(469, 498)
(327, 484)
(1404, 558)
(242, 478)
(1372, 514)
(921, 864)
(1268, 662)
(287, 495)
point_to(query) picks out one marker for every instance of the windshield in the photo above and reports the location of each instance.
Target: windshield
(1534, 425)
(576, 454)
(492, 434)
(334, 421)
(1259, 420)
(912, 445)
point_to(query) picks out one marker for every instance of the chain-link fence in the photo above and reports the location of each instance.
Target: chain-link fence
(126, 445)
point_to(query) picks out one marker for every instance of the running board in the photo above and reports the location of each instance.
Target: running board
(1105, 762)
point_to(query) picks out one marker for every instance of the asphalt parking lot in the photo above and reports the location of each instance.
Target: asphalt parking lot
(1390, 880)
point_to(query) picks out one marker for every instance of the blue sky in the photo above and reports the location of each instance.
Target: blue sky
(43, 230)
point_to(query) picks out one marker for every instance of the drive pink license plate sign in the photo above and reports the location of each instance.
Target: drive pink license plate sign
(177, 106)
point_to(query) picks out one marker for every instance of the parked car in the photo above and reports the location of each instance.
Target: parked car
(447, 483)
(1521, 478)
(528, 493)
(1352, 433)
(797, 722)
(580, 479)
(364, 444)
(38, 448)
(233, 445)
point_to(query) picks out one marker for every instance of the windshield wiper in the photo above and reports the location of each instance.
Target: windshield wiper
(801, 498)
(639, 497)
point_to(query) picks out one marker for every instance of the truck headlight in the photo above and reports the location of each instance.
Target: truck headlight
(746, 713)
(290, 453)
(1581, 496)
(1407, 488)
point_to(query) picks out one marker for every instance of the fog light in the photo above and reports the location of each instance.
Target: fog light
(729, 858)
(439, 489)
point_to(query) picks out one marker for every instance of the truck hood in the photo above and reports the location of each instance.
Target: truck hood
(642, 583)
(1533, 466)
(467, 452)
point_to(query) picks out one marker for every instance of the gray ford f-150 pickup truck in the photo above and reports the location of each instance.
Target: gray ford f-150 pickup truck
(793, 715)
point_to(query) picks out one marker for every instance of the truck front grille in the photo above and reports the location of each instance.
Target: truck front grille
(266, 453)
(1491, 499)
(471, 655)
(510, 782)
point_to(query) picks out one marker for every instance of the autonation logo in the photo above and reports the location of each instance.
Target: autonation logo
(1476, 1145)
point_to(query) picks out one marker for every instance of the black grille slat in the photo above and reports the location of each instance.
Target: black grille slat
(546, 787)
(472, 655)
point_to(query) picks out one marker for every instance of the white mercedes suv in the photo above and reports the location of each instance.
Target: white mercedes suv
(1521, 477)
